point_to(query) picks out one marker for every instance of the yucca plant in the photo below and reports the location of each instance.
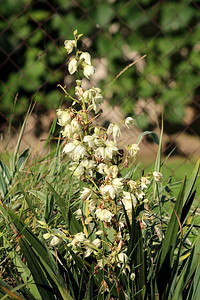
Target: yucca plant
(84, 224)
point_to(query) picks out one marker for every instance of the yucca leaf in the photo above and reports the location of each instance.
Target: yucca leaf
(190, 266)
(194, 291)
(60, 202)
(37, 270)
(169, 243)
(43, 252)
(25, 274)
(14, 158)
(11, 295)
(5, 171)
(21, 160)
(186, 207)
(51, 131)
(152, 134)
(192, 181)
(5, 288)
(3, 185)
(28, 201)
(135, 252)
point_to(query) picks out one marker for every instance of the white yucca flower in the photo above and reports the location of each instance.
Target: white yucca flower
(128, 122)
(63, 117)
(67, 131)
(112, 170)
(129, 200)
(158, 176)
(79, 152)
(55, 241)
(88, 71)
(114, 130)
(69, 148)
(112, 189)
(104, 215)
(85, 193)
(85, 56)
(79, 171)
(133, 150)
(73, 66)
(144, 182)
(69, 45)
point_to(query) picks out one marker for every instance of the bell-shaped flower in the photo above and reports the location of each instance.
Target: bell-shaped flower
(144, 182)
(76, 127)
(69, 45)
(69, 147)
(133, 149)
(114, 130)
(110, 148)
(73, 66)
(93, 202)
(129, 200)
(112, 189)
(67, 131)
(78, 238)
(122, 262)
(100, 168)
(158, 176)
(104, 215)
(85, 193)
(79, 171)
(112, 170)
(85, 56)
(132, 184)
(108, 190)
(128, 122)
(79, 152)
(88, 71)
(100, 151)
(63, 117)
(90, 140)
(55, 241)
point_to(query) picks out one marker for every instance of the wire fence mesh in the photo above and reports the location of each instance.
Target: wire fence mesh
(164, 84)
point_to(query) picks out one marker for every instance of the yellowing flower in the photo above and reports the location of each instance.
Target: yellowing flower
(144, 182)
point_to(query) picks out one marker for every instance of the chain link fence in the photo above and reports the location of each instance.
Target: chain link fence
(164, 84)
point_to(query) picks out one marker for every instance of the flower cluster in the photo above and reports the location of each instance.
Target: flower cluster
(97, 161)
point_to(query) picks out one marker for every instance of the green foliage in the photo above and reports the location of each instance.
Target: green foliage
(165, 260)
